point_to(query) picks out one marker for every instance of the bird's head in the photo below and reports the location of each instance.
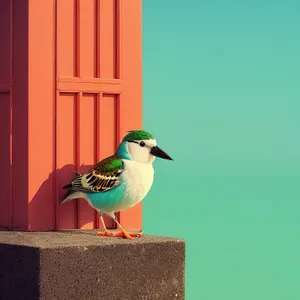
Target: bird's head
(140, 146)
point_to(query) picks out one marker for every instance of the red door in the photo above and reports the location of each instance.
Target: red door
(72, 97)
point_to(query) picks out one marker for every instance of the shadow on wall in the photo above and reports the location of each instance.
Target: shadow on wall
(74, 214)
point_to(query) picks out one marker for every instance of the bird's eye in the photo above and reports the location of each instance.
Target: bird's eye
(142, 143)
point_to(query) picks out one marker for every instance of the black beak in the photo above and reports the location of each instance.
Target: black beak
(160, 153)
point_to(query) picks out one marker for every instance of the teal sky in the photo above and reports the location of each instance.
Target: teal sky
(221, 92)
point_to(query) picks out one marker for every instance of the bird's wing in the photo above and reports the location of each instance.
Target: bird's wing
(102, 177)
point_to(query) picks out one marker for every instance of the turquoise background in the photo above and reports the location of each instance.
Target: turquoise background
(222, 96)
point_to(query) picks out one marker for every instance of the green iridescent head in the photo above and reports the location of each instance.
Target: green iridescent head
(138, 135)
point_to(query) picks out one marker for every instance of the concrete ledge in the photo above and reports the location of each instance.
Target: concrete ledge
(80, 265)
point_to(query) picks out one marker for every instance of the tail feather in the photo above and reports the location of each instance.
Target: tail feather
(73, 195)
(66, 197)
(68, 186)
(72, 192)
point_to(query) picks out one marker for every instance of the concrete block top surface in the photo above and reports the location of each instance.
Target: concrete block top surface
(80, 265)
(75, 238)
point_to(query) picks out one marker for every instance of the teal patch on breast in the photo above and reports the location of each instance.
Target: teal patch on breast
(108, 201)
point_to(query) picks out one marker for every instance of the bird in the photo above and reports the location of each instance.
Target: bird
(119, 181)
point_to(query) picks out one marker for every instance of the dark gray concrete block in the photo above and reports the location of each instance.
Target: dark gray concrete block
(81, 265)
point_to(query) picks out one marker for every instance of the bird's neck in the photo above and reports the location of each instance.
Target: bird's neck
(122, 151)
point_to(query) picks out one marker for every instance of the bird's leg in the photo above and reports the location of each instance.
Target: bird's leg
(124, 233)
(105, 232)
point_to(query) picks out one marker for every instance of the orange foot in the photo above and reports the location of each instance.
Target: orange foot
(127, 235)
(105, 233)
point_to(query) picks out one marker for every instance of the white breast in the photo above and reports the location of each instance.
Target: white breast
(139, 178)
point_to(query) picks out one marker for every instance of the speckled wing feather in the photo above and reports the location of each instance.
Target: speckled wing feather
(102, 177)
